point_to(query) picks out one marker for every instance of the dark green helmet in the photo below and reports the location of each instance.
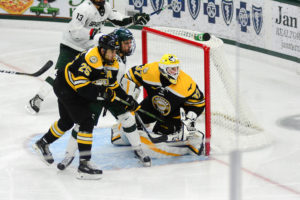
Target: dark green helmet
(124, 34)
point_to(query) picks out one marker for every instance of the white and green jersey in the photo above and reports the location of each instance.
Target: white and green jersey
(85, 17)
(122, 68)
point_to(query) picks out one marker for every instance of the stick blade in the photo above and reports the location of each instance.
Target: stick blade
(43, 69)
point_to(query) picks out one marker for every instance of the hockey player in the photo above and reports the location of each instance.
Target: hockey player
(89, 78)
(81, 34)
(127, 47)
(170, 90)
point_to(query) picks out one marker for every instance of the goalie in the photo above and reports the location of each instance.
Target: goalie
(176, 101)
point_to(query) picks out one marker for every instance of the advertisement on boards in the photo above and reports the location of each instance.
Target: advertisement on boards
(40, 8)
(260, 23)
(224, 18)
(286, 29)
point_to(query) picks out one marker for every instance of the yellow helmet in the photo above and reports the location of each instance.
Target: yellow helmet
(169, 61)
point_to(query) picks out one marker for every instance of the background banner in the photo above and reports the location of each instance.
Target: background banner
(265, 24)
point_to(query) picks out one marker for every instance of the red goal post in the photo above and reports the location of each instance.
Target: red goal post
(205, 62)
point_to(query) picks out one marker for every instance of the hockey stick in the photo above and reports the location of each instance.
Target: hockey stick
(140, 110)
(163, 8)
(36, 74)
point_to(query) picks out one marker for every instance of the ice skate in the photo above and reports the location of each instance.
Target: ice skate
(42, 148)
(146, 160)
(34, 104)
(87, 171)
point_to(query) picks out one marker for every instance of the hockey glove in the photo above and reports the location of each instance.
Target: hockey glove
(107, 95)
(190, 120)
(134, 105)
(141, 18)
(93, 32)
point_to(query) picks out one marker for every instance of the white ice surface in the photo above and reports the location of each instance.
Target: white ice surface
(271, 84)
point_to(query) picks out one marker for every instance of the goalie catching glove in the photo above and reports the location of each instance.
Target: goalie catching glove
(141, 19)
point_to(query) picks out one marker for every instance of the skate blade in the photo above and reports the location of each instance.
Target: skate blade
(37, 150)
(30, 110)
(85, 176)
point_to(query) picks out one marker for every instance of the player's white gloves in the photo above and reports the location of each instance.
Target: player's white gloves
(189, 121)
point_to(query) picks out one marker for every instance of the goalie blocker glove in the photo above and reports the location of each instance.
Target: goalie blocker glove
(141, 18)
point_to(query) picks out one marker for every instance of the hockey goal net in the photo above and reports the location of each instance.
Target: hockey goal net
(227, 122)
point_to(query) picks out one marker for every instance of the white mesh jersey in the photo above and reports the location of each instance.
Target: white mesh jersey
(85, 17)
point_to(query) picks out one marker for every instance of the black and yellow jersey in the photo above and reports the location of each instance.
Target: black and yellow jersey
(168, 98)
(87, 74)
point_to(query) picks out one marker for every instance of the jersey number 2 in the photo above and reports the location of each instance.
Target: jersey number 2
(84, 68)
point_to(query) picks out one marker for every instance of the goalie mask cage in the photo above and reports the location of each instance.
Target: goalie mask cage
(204, 61)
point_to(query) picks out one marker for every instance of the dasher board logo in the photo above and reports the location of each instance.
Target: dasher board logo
(15, 6)
(157, 4)
(44, 8)
(257, 18)
(138, 4)
(177, 7)
(194, 7)
(243, 16)
(212, 10)
(227, 11)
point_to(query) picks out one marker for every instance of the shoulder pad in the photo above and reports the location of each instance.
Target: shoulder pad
(184, 87)
(150, 73)
(93, 58)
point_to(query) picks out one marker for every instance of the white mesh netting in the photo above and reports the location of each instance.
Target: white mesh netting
(222, 90)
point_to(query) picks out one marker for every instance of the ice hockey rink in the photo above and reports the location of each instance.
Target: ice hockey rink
(272, 87)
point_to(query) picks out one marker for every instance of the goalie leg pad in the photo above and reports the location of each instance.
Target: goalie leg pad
(129, 128)
(117, 136)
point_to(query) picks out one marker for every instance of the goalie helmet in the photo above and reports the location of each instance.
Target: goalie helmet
(169, 67)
